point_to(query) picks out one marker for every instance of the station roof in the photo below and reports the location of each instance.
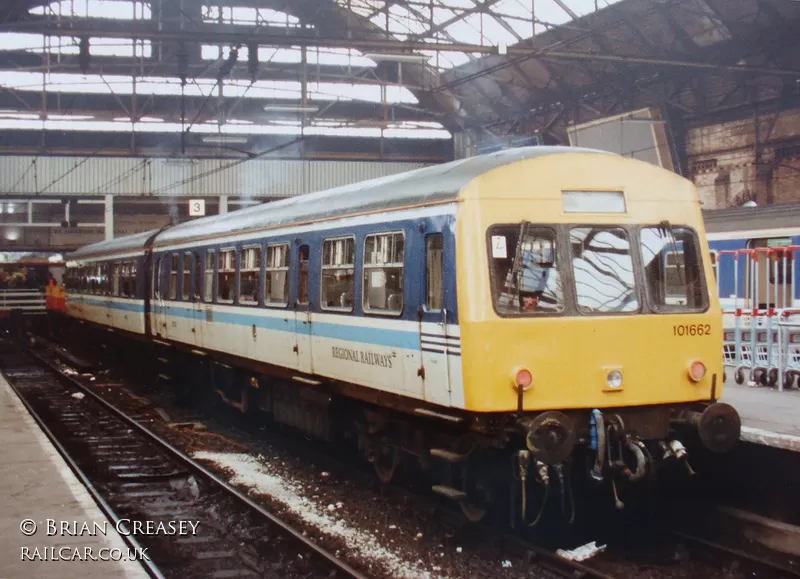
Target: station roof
(354, 72)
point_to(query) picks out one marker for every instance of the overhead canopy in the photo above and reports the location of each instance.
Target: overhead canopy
(412, 71)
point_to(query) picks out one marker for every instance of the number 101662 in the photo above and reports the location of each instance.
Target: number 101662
(691, 330)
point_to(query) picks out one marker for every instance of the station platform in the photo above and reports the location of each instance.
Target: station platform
(37, 484)
(769, 417)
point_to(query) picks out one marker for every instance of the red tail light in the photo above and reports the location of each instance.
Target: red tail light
(697, 371)
(524, 379)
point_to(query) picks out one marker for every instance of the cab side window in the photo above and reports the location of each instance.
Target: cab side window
(434, 277)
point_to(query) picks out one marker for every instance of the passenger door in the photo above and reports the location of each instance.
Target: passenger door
(198, 312)
(111, 276)
(302, 309)
(159, 288)
(434, 343)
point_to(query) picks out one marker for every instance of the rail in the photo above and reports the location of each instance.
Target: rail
(325, 560)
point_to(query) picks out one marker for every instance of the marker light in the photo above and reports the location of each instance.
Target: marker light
(697, 371)
(614, 379)
(523, 379)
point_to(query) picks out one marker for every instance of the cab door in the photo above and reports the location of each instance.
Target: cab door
(432, 314)
(302, 309)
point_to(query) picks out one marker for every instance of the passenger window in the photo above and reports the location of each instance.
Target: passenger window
(209, 287)
(302, 277)
(672, 268)
(105, 285)
(121, 278)
(116, 276)
(187, 276)
(276, 280)
(125, 279)
(383, 273)
(338, 266)
(198, 277)
(225, 275)
(129, 279)
(603, 269)
(157, 278)
(173, 277)
(525, 270)
(434, 287)
(250, 272)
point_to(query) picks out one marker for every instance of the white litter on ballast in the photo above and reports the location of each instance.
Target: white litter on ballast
(248, 471)
(581, 553)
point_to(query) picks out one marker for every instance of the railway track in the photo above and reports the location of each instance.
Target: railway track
(536, 557)
(140, 479)
(533, 556)
(757, 565)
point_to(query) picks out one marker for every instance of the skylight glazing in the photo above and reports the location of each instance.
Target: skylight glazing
(39, 43)
(116, 84)
(246, 15)
(321, 127)
(115, 9)
(294, 55)
(478, 22)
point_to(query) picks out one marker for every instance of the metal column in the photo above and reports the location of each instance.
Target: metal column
(109, 216)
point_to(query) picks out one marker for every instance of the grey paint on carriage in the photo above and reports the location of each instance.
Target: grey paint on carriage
(439, 183)
(784, 215)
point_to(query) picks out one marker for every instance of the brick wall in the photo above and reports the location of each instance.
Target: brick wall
(722, 161)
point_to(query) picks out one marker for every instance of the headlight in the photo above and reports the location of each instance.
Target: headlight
(614, 379)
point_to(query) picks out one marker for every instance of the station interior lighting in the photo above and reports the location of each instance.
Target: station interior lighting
(223, 139)
(410, 58)
(291, 108)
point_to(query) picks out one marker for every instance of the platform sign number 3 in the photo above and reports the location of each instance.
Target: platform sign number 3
(197, 207)
(499, 247)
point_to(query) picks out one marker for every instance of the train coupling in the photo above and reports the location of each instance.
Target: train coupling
(550, 437)
(719, 426)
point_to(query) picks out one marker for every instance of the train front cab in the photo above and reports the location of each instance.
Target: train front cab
(611, 330)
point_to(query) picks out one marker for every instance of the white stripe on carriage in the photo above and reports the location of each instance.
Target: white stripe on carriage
(379, 322)
(453, 330)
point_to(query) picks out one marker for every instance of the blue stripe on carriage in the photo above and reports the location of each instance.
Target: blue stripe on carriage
(378, 336)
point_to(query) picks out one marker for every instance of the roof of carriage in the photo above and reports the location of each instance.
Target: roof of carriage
(783, 215)
(439, 183)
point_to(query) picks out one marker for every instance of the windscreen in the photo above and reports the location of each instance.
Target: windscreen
(603, 270)
(672, 269)
(595, 270)
(525, 270)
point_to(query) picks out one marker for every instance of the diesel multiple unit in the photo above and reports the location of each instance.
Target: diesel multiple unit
(490, 318)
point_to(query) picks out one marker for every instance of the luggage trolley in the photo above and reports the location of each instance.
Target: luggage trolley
(788, 320)
(751, 340)
(738, 347)
(764, 343)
